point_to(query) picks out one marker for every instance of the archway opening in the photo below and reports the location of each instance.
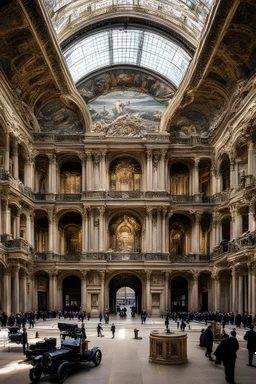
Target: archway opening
(125, 289)
(125, 296)
(72, 293)
(179, 294)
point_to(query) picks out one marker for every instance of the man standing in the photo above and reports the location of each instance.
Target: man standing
(250, 337)
(226, 352)
(24, 339)
(209, 341)
(113, 330)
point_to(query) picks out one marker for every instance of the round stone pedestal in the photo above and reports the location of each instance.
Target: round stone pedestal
(168, 348)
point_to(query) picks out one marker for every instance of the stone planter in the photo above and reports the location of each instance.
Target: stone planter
(168, 348)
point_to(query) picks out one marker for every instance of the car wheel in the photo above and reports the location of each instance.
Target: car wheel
(62, 373)
(97, 357)
(35, 375)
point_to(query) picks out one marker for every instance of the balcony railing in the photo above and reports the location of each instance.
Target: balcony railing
(121, 256)
(247, 239)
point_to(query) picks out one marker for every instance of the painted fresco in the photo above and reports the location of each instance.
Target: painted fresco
(126, 113)
(56, 117)
(125, 79)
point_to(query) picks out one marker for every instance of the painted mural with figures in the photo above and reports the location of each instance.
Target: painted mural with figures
(126, 113)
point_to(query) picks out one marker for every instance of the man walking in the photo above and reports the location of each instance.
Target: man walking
(209, 342)
(113, 330)
(250, 337)
(226, 352)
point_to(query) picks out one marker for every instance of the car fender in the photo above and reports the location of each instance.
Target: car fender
(93, 351)
(36, 361)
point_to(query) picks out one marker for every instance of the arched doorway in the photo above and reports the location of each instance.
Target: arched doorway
(125, 296)
(179, 294)
(71, 293)
(121, 281)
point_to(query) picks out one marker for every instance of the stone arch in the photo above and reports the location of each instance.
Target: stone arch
(179, 178)
(125, 174)
(179, 293)
(70, 230)
(125, 233)
(180, 227)
(120, 279)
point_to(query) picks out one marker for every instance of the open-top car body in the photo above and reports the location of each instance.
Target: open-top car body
(58, 363)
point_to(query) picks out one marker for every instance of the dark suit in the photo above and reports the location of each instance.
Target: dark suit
(209, 342)
(250, 336)
(24, 339)
(226, 352)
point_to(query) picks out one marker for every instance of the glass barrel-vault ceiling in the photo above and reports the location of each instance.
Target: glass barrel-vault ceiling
(127, 47)
(187, 15)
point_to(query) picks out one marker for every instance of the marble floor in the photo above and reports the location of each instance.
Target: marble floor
(125, 360)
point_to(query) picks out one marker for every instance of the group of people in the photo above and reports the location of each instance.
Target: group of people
(226, 351)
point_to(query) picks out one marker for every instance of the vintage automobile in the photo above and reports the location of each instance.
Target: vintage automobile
(68, 330)
(15, 336)
(40, 347)
(59, 362)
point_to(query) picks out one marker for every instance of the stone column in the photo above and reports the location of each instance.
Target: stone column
(54, 289)
(233, 170)
(103, 169)
(96, 169)
(162, 172)
(167, 298)
(149, 170)
(102, 303)
(16, 289)
(24, 306)
(197, 242)
(15, 161)
(214, 180)
(50, 292)
(251, 159)
(84, 229)
(28, 229)
(7, 292)
(52, 174)
(7, 153)
(249, 288)
(240, 293)
(91, 229)
(216, 279)
(101, 229)
(28, 174)
(234, 304)
(50, 230)
(83, 291)
(18, 223)
(253, 283)
(196, 177)
(149, 234)
(89, 170)
(83, 162)
(164, 212)
(159, 235)
(148, 304)
(195, 291)
(252, 223)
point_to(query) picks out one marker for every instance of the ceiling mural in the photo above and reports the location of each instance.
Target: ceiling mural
(125, 78)
(126, 113)
(57, 118)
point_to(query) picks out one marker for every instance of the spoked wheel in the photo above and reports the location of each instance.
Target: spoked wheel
(62, 373)
(97, 357)
(34, 375)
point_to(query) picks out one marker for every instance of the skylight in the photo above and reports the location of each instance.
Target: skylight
(187, 15)
(127, 47)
